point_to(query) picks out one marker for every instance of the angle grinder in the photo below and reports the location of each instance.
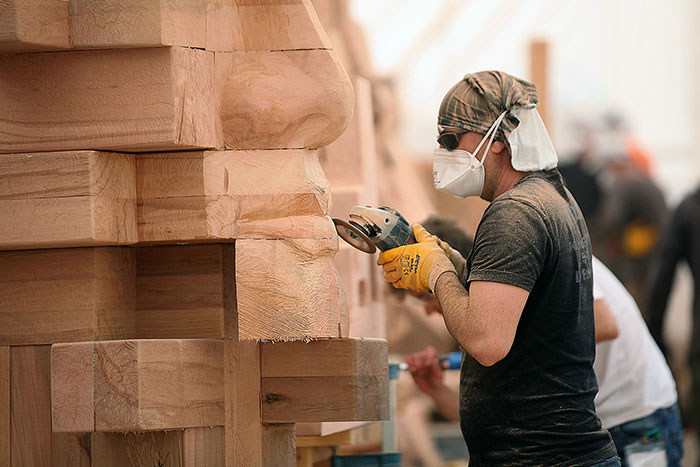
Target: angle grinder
(371, 228)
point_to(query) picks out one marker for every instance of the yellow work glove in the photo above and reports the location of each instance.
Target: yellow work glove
(417, 266)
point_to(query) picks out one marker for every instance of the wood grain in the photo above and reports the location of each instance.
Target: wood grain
(325, 380)
(243, 437)
(60, 199)
(30, 405)
(309, 90)
(222, 195)
(279, 445)
(66, 295)
(255, 26)
(4, 405)
(185, 292)
(138, 385)
(128, 100)
(288, 290)
(33, 25)
(137, 23)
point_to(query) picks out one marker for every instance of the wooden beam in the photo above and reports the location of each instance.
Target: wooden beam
(4, 405)
(185, 291)
(33, 25)
(325, 380)
(147, 99)
(138, 385)
(64, 295)
(153, 23)
(70, 450)
(30, 405)
(192, 447)
(221, 195)
(309, 89)
(243, 435)
(242, 25)
(538, 75)
(60, 199)
(288, 290)
(279, 445)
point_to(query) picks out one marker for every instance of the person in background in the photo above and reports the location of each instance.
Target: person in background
(680, 241)
(637, 399)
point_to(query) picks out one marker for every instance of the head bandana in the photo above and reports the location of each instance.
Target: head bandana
(475, 102)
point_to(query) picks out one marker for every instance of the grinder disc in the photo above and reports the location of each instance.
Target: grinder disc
(354, 236)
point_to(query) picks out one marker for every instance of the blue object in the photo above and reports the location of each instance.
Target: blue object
(393, 371)
(451, 361)
(390, 459)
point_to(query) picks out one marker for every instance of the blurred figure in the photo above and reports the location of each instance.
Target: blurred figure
(632, 211)
(637, 398)
(407, 333)
(579, 173)
(679, 241)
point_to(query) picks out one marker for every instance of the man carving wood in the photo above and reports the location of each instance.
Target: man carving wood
(521, 305)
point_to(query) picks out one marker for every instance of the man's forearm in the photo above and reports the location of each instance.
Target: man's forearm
(454, 302)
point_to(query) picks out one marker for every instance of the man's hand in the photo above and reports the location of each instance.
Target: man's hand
(417, 266)
(425, 370)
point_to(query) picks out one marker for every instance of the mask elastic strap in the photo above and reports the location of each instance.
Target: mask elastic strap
(492, 133)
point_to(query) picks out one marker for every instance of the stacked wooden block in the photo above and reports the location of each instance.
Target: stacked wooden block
(164, 212)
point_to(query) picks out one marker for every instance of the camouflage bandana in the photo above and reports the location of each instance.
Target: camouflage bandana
(476, 101)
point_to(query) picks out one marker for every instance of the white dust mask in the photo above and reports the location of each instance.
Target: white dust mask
(459, 172)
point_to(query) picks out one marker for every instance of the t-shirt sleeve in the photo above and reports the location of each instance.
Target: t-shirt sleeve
(510, 246)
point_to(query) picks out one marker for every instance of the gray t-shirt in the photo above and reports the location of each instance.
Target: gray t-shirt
(535, 407)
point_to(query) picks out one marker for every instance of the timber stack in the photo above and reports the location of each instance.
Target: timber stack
(168, 294)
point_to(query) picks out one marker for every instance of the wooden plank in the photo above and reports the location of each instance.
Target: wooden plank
(59, 199)
(203, 447)
(4, 405)
(309, 89)
(325, 380)
(136, 23)
(287, 290)
(141, 385)
(65, 295)
(149, 99)
(33, 25)
(279, 445)
(185, 292)
(70, 450)
(216, 195)
(538, 75)
(243, 424)
(30, 405)
(73, 387)
(254, 26)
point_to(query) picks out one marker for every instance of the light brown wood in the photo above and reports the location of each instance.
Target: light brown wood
(288, 290)
(309, 91)
(243, 26)
(325, 380)
(4, 405)
(243, 438)
(73, 387)
(137, 23)
(141, 385)
(59, 199)
(538, 75)
(353, 433)
(222, 195)
(146, 99)
(65, 295)
(279, 445)
(30, 405)
(33, 25)
(185, 292)
(203, 447)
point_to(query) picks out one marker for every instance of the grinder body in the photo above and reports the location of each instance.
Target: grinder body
(370, 228)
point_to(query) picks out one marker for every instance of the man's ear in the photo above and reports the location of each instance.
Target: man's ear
(498, 147)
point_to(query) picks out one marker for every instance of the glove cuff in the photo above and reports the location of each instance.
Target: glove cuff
(440, 267)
